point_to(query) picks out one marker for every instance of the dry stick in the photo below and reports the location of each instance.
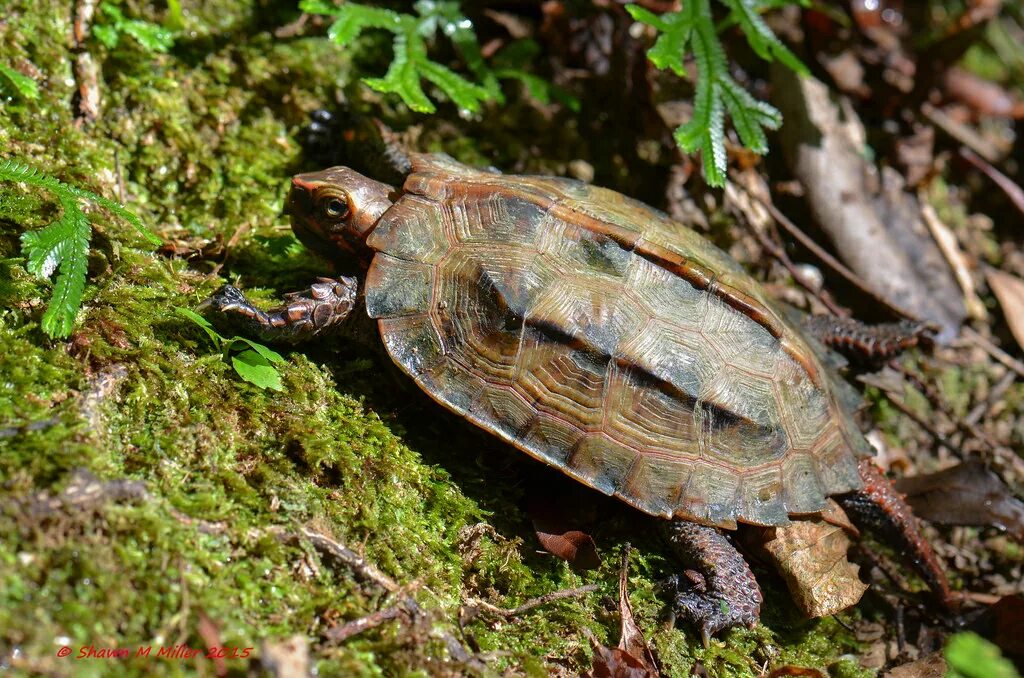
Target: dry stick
(352, 560)
(783, 258)
(406, 605)
(371, 621)
(965, 428)
(928, 428)
(1014, 192)
(993, 350)
(536, 602)
(995, 395)
(959, 132)
(833, 263)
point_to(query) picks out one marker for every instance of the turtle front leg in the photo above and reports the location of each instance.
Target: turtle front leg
(303, 316)
(720, 591)
(881, 508)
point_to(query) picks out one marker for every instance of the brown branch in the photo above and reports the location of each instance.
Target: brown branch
(1014, 192)
(534, 602)
(345, 631)
(350, 559)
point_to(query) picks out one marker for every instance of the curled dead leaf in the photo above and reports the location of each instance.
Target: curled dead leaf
(575, 547)
(632, 639)
(811, 556)
(556, 521)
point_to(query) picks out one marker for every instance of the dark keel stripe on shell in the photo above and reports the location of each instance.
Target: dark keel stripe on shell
(697, 275)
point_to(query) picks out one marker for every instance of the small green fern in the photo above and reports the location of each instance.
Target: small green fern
(693, 29)
(411, 64)
(63, 246)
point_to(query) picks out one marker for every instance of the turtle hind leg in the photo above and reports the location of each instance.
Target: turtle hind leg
(880, 508)
(720, 591)
(304, 315)
(866, 344)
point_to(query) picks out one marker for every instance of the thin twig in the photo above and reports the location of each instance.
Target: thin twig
(961, 133)
(1014, 192)
(352, 560)
(829, 260)
(993, 350)
(535, 602)
(994, 396)
(924, 424)
(345, 631)
(780, 255)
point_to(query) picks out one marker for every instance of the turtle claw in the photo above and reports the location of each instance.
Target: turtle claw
(707, 610)
(226, 299)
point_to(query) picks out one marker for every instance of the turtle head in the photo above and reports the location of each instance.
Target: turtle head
(333, 211)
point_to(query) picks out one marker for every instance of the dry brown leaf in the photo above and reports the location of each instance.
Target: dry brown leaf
(561, 514)
(811, 555)
(966, 494)
(576, 547)
(632, 640)
(950, 248)
(617, 663)
(633, 657)
(1009, 290)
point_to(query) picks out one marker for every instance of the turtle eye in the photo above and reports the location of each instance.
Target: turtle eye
(335, 207)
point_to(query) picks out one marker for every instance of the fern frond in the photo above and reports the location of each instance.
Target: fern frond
(692, 30)
(411, 63)
(12, 170)
(62, 247)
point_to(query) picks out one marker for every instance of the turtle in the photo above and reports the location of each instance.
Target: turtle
(602, 338)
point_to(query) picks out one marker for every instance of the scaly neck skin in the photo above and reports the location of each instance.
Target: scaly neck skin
(335, 210)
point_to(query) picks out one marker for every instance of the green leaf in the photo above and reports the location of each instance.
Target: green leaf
(761, 39)
(175, 20)
(353, 19)
(403, 79)
(23, 85)
(255, 369)
(270, 355)
(971, 656)
(462, 92)
(669, 49)
(445, 16)
(203, 323)
(411, 64)
(152, 37)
